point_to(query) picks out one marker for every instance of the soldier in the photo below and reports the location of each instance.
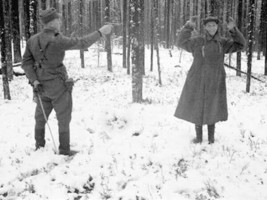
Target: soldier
(203, 99)
(42, 63)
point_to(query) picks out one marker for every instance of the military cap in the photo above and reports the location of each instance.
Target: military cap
(211, 19)
(48, 15)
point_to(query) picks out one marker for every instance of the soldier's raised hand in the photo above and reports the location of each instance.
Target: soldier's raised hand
(106, 29)
(231, 23)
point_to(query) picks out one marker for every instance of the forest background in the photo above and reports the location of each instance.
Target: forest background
(138, 25)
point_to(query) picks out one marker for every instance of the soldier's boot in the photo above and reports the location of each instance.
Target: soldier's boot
(64, 143)
(198, 138)
(39, 135)
(211, 130)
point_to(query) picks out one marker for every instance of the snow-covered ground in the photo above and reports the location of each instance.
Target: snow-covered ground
(133, 151)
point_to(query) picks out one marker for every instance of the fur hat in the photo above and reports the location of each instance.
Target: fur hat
(48, 15)
(211, 19)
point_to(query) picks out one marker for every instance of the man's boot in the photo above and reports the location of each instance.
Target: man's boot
(198, 138)
(64, 143)
(39, 135)
(211, 130)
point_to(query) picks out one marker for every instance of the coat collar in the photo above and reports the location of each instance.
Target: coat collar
(216, 37)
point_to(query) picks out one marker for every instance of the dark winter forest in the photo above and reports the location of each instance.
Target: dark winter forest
(127, 86)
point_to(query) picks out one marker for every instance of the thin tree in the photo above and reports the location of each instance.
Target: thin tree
(124, 38)
(250, 41)
(152, 37)
(8, 37)
(27, 19)
(30, 18)
(108, 37)
(263, 28)
(15, 31)
(137, 77)
(129, 39)
(69, 18)
(258, 16)
(3, 53)
(34, 16)
(239, 25)
(263, 32)
(43, 4)
(81, 30)
(64, 16)
(156, 9)
(142, 36)
(265, 66)
(167, 23)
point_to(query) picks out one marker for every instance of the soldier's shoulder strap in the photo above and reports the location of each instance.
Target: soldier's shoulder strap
(42, 50)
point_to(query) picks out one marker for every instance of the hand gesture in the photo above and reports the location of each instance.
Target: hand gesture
(192, 21)
(231, 23)
(106, 29)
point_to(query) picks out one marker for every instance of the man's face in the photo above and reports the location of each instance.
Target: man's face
(58, 24)
(211, 27)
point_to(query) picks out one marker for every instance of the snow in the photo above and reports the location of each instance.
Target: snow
(135, 151)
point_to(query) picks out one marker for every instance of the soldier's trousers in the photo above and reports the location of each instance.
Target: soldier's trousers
(55, 97)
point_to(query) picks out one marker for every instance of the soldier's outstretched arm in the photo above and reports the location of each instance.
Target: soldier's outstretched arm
(71, 43)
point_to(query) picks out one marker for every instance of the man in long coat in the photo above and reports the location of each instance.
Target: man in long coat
(49, 77)
(203, 99)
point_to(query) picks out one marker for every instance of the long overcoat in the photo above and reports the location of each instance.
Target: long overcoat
(203, 99)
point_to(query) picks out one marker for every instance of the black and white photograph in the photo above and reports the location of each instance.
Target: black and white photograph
(133, 100)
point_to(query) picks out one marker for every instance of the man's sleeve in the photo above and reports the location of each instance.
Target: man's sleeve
(237, 43)
(71, 43)
(28, 64)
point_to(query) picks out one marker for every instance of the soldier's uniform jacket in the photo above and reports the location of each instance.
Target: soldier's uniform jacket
(47, 48)
(203, 99)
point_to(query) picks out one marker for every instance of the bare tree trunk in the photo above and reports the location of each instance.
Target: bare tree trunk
(3, 27)
(258, 13)
(43, 4)
(108, 37)
(191, 8)
(137, 77)
(239, 25)
(65, 21)
(152, 39)
(199, 15)
(81, 31)
(250, 43)
(69, 19)
(125, 5)
(8, 37)
(225, 15)
(34, 16)
(142, 36)
(27, 19)
(167, 23)
(263, 27)
(156, 7)
(129, 39)
(182, 13)
(207, 8)
(15, 31)
(265, 67)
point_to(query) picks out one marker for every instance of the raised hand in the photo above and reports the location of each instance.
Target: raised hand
(106, 29)
(192, 21)
(231, 23)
